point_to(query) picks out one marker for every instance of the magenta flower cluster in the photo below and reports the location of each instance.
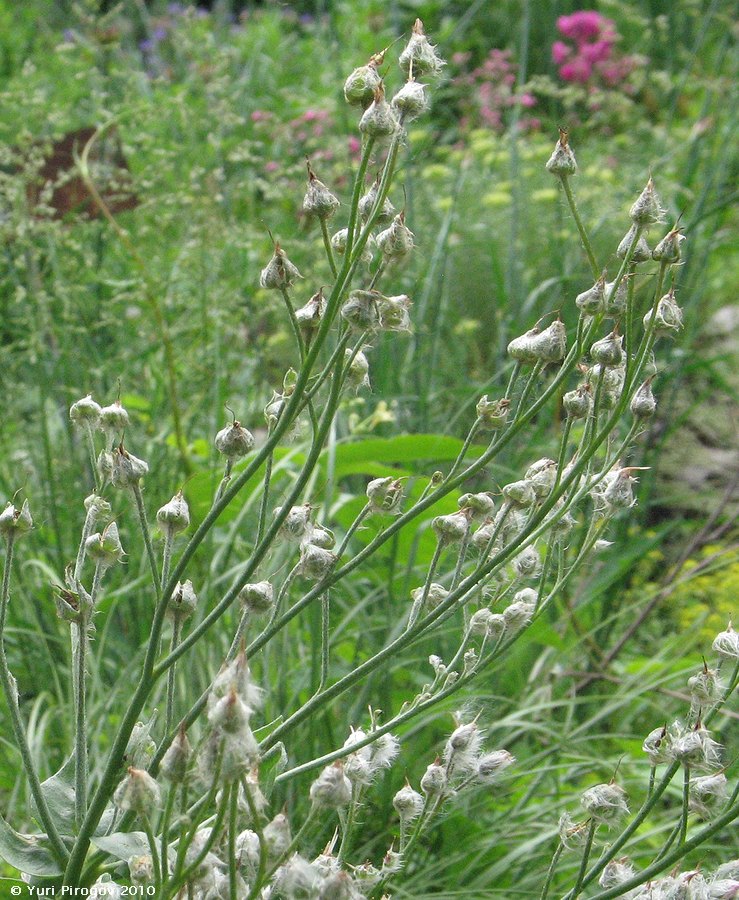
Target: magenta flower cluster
(587, 53)
(489, 90)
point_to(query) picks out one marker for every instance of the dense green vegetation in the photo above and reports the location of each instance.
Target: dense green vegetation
(215, 114)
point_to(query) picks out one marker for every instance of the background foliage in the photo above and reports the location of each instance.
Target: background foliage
(216, 111)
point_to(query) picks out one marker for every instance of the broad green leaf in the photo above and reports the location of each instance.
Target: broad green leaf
(123, 844)
(26, 852)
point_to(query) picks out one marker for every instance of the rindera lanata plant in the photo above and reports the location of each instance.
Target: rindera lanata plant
(186, 804)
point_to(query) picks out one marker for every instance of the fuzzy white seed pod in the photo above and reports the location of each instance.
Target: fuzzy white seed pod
(668, 318)
(479, 506)
(297, 525)
(550, 345)
(562, 161)
(279, 273)
(379, 120)
(297, 878)
(247, 851)
(309, 316)
(360, 86)
(322, 537)
(396, 241)
(176, 760)
(619, 493)
(332, 789)
(572, 834)
(258, 597)
(367, 203)
(647, 208)
(541, 475)
(85, 413)
(183, 602)
(410, 101)
(138, 792)
(434, 780)
(605, 803)
(726, 643)
(385, 495)
(697, 750)
(361, 310)
(114, 420)
(15, 522)
(105, 547)
(643, 404)
(521, 493)
(234, 441)
(141, 869)
(491, 765)
(174, 516)
(578, 403)
(315, 562)
(641, 252)
(657, 746)
(436, 595)
(492, 414)
(126, 470)
(527, 563)
(705, 687)
(452, 528)
(357, 375)
(616, 872)
(708, 794)
(593, 300)
(608, 351)
(668, 249)
(277, 836)
(518, 614)
(319, 202)
(394, 313)
(408, 804)
(616, 298)
(236, 676)
(419, 57)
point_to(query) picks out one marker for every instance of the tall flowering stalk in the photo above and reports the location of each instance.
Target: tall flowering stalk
(189, 800)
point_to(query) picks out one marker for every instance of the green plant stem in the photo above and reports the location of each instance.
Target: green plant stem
(81, 772)
(550, 872)
(577, 889)
(685, 807)
(328, 248)
(166, 555)
(420, 602)
(588, 247)
(233, 826)
(93, 457)
(10, 689)
(164, 827)
(136, 489)
(465, 447)
(361, 516)
(152, 841)
(264, 501)
(169, 714)
(257, 827)
(716, 827)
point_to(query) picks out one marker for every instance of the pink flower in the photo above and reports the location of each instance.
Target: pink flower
(578, 70)
(582, 25)
(560, 52)
(271, 166)
(355, 146)
(527, 100)
(259, 115)
(599, 51)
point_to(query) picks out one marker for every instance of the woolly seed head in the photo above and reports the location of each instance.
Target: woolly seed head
(562, 161)
(279, 273)
(360, 86)
(183, 602)
(492, 414)
(605, 803)
(138, 792)
(258, 597)
(15, 522)
(726, 643)
(126, 469)
(318, 202)
(408, 804)
(114, 420)
(668, 249)
(85, 413)
(105, 547)
(385, 495)
(175, 515)
(668, 319)
(647, 208)
(234, 441)
(419, 57)
(379, 120)
(332, 789)
(410, 101)
(641, 252)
